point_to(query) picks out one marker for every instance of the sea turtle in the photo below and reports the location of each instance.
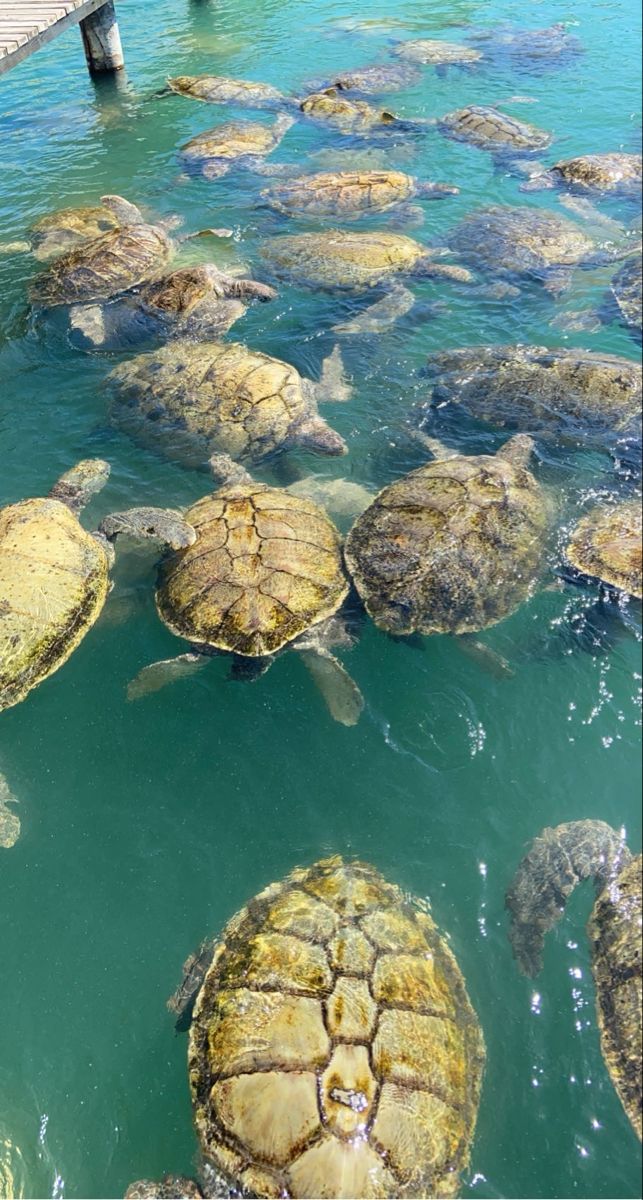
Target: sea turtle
(615, 174)
(622, 302)
(489, 129)
(64, 230)
(190, 400)
(519, 243)
(554, 864)
(170, 1187)
(114, 262)
(529, 49)
(198, 301)
(605, 547)
(240, 144)
(372, 80)
(264, 573)
(432, 53)
(219, 89)
(350, 116)
(333, 1048)
(350, 194)
(54, 575)
(9, 819)
(569, 393)
(453, 547)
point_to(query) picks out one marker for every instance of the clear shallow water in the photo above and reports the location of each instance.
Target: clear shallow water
(145, 826)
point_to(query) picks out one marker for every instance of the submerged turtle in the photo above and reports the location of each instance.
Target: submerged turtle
(240, 144)
(349, 116)
(350, 194)
(333, 1049)
(555, 863)
(9, 819)
(264, 573)
(54, 575)
(528, 48)
(489, 129)
(219, 89)
(570, 393)
(624, 300)
(199, 301)
(374, 80)
(605, 546)
(615, 174)
(190, 400)
(525, 243)
(432, 53)
(453, 547)
(114, 262)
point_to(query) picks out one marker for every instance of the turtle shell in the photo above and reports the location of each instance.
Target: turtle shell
(492, 130)
(218, 89)
(53, 584)
(347, 114)
(60, 231)
(614, 930)
(600, 172)
(450, 548)
(188, 400)
(519, 241)
(626, 293)
(110, 264)
(265, 566)
(341, 259)
(341, 193)
(431, 52)
(606, 545)
(232, 140)
(376, 79)
(334, 1050)
(571, 392)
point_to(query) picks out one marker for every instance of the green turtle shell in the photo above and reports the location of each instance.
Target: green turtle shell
(265, 566)
(53, 584)
(350, 115)
(100, 269)
(431, 52)
(219, 89)
(341, 193)
(450, 548)
(606, 545)
(334, 1050)
(339, 258)
(519, 241)
(489, 129)
(230, 142)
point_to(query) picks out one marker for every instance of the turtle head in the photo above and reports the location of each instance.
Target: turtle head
(314, 434)
(76, 487)
(226, 472)
(125, 213)
(518, 450)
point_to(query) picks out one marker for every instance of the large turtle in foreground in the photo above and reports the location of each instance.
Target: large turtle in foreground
(350, 194)
(453, 547)
(555, 863)
(238, 144)
(605, 546)
(54, 575)
(489, 129)
(264, 573)
(333, 1049)
(190, 400)
(615, 174)
(573, 394)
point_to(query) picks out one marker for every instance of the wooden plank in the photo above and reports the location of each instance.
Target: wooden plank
(26, 25)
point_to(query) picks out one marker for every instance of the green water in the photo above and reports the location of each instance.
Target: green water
(146, 825)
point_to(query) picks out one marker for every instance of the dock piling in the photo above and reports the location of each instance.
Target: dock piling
(102, 40)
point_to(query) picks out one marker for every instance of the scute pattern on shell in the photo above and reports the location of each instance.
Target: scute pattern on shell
(450, 548)
(339, 258)
(519, 241)
(492, 130)
(101, 268)
(432, 52)
(189, 400)
(606, 545)
(334, 1050)
(265, 566)
(53, 584)
(341, 193)
(600, 172)
(234, 139)
(219, 89)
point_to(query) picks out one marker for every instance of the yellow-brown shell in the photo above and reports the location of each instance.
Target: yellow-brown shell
(334, 1051)
(70, 227)
(347, 114)
(432, 52)
(606, 545)
(110, 264)
(189, 400)
(265, 566)
(234, 139)
(490, 129)
(219, 89)
(600, 172)
(339, 258)
(53, 584)
(341, 193)
(450, 548)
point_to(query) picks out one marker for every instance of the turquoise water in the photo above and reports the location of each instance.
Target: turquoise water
(146, 825)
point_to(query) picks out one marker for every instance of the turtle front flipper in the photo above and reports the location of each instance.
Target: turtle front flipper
(378, 317)
(9, 820)
(167, 670)
(77, 486)
(490, 661)
(341, 694)
(555, 863)
(195, 968)
(333, 386)
(161, 524)
(125, 212)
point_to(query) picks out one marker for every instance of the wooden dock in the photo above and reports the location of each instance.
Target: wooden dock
(26, 25)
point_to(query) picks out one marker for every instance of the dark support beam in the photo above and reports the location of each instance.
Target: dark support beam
(101, 40)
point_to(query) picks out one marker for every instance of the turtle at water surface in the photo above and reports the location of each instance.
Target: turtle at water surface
(606, 546)
(489, 129)
(54, 575)
(199, 301)
(238, 144)
(219, 89)
(569, 393)
(529, 49)
(349, 116)
(333, 1049)
(190, 400)
(616, 174)
(170, 1187)
(350, 194)
(432, 53)
(373, 80)
(57, 232)
(264, 573)
(555, 863)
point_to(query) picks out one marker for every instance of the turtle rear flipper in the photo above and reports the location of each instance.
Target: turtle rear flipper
(341, 694)
(167, 670)
(555, 863)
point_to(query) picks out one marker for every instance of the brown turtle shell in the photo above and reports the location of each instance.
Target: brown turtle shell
(102, 268)
(606, 545)
(341, 193)
(489, 129)
(265, 566)
(334, 1050)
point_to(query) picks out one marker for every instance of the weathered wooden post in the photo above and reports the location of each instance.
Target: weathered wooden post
(101, 39)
